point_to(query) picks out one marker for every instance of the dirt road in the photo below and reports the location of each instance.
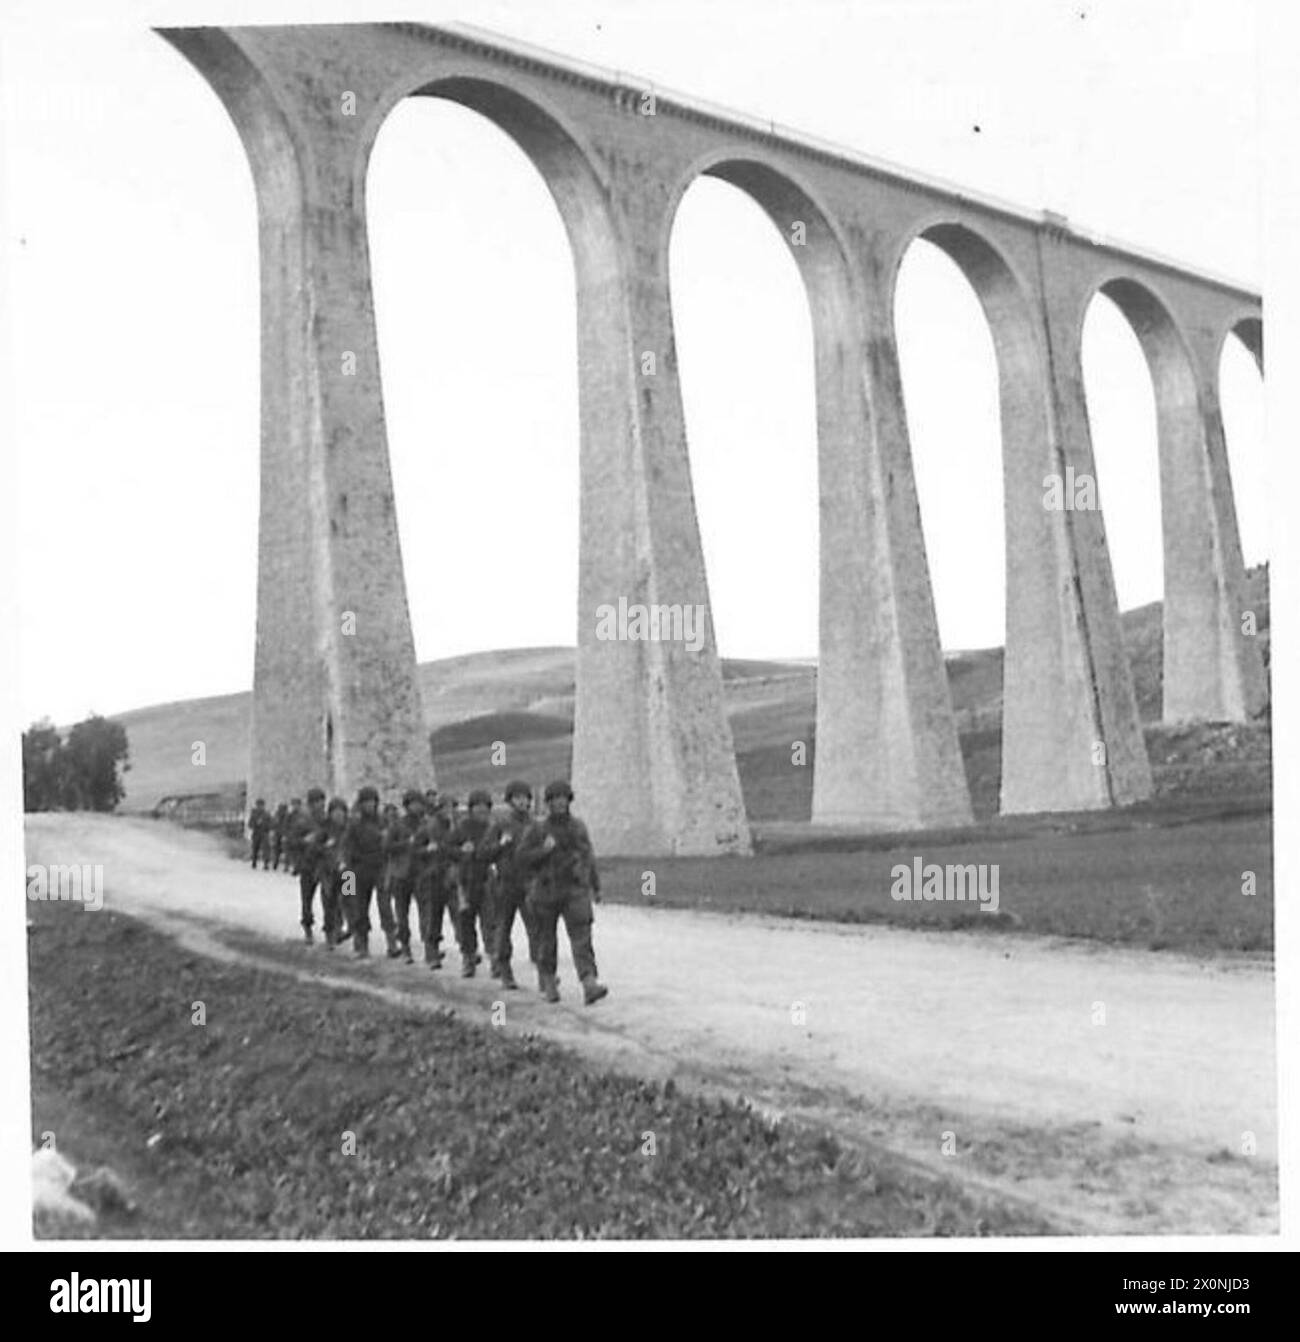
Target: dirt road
(1120, 1090)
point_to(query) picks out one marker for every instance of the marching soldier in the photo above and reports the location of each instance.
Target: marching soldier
(363, 862)
(500, 845)
(558, 851)
(400, 840)
(324, 852)
(306, 825)
(473, 874)
(259, 829)
(434, 879)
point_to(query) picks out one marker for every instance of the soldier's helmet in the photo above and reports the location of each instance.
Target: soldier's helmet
(337, 804)
(367, 794)
(518, 788)
(412, 796)
(261, 801)
(559, 788)
(296, 801)
(479, 795)
(315, 794)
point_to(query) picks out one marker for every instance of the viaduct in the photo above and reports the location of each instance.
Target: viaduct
(336, 698)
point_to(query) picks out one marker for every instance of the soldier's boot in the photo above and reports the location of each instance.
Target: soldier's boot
(550, 986)
(507, 977)
(361, 945)
(432, 955)
(592, 990)
(394, 948)
(407, 957)
(468, 964)
(306, 935)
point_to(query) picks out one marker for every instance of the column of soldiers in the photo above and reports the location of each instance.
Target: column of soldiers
(479, 869)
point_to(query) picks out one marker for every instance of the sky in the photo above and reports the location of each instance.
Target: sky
(132, 315)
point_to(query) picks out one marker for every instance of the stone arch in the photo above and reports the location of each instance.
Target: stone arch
(886, 750)
(1026, 453)
(823, 255)
(1137, 376)
(843, 431)
(1051, 701)
(1006, 315)
(1022, 403)
(1198, 537)
(611, 546)
(1168, 356)
(743, 350)
(473, 272)
(569, 171)
(1004, 297)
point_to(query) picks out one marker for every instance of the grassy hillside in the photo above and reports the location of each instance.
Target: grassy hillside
(524, 697)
